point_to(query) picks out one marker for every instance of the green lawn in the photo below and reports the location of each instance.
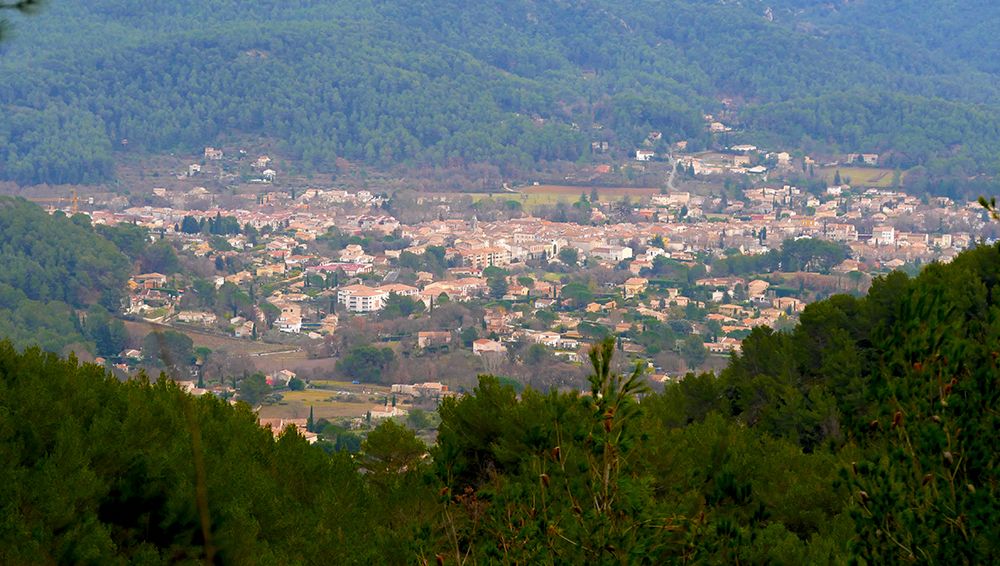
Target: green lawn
(527, 200)
(547, 195)
(861, 176)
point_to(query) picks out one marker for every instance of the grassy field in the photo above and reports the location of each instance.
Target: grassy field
(340, 400)
(547, 195)
(575, 191)
(552, 277)
(861, 176)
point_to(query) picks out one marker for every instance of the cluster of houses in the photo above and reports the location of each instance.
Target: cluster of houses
(884, 229)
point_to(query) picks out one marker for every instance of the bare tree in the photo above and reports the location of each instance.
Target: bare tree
(493, 362)
(222, 366)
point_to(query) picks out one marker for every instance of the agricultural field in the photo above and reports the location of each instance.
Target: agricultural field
(340, 400)
(139, 329)
(266, 357)
(575, 191)
(862, 176)
(297, 361)
(547, 195)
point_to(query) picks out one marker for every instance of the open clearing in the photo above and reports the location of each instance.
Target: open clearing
(266, 357)
(297, 362)
(139, 329)
(861, 176)
(575, 191)
(543, 195)
(329, 403)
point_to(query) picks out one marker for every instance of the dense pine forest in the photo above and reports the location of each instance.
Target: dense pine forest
(56, 269)
(512, 83)
(865, 435)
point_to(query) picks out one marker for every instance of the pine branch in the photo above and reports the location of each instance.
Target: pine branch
(22, 6)
(990, 206)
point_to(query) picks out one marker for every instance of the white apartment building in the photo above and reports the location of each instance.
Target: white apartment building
(884, 235)
(362, 299)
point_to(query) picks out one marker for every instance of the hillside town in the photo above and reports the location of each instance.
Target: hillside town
(680, 276)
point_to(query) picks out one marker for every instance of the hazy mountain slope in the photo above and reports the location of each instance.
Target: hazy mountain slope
(512, 83)
(54, 267)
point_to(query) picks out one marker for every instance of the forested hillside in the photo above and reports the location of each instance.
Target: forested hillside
(514, 82)
(866, 435)
(53, 267)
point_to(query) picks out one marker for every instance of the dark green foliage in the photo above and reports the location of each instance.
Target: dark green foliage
(53, 265)
(390, 451)
(220, 244)
(159, 257)
(347, 442)
(865, 434)
(253, 388)
(457, 83)
(236, 301)
(498, 287)
(569, 256)
(579, 293)
(130, 239)
(432, 260)
(169, 349)
(910, 373)
(805, 254)
(223, 225)
(693, 351)
(418, 419)
(929, 490)
(468, 335)
(656, 337)
(101, 472)
(52, 258)
(670, 271)
(109, 334)
(397, 306)
(58, 144)
(367, 364)
(190, 225)
(336, 240)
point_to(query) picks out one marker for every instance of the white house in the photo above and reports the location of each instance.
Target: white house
(485, 345)
(884, 235)
(612, 253)
(290, 320)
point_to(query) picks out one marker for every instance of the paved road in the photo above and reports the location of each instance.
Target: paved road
(673, 172)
